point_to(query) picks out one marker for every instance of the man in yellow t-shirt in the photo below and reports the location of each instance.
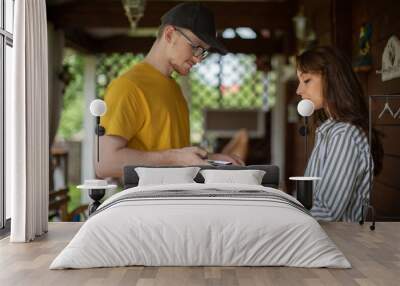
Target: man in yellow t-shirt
(147, 119)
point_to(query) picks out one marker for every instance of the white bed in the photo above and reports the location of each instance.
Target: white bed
(201, 224)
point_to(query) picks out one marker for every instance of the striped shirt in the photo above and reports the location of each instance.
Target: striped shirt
(342, 158)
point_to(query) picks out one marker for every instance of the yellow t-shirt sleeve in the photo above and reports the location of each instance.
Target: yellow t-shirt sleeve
(124, 116)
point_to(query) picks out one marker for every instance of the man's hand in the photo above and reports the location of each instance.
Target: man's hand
(187, 156)
(115, 155)
(235, 160)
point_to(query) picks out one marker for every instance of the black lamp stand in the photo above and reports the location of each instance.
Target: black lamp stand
(96, 195)
(100, 131)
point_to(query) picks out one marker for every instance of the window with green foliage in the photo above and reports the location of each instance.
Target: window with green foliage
(111, 66)
(225, 82)
(71, 121)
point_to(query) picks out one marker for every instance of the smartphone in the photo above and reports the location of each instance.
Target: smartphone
(219, 163)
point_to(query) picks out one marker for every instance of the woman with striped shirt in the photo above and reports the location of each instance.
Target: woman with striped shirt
(341, 156)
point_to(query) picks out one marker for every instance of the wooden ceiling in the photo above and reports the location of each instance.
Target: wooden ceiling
(101, 26)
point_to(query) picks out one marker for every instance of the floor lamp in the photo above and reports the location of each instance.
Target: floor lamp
(305, 108)
(97, 188)
(304, 185)
(98, 108)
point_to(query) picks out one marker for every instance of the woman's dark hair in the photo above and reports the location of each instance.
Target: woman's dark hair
(342, 92)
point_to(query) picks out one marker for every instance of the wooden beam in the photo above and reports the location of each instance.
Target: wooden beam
(87, 13)
(79, 41)
(271, 15)
(110, 14)
(122, 44)
(255, 46)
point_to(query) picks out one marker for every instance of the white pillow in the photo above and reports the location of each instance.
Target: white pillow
(162, 176)
(248, 177)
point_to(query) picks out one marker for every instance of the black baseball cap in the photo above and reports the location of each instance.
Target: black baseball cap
(198, 19)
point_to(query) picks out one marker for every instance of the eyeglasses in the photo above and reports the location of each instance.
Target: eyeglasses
(198, 51)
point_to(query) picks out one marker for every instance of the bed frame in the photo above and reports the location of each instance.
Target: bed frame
(131, 179)
(270, 179)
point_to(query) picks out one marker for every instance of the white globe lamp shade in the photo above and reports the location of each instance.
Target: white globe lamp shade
(98, 107)
(305, 107)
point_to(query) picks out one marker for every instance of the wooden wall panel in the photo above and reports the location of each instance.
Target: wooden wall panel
(386, 201)
(387, 22)
(383, 15)
(341, 18)
(319, 13)
(390, 140)
(390, 174)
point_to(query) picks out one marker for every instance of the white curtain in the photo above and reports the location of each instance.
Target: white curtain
(27, 139)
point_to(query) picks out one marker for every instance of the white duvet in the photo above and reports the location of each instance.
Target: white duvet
(183, 231)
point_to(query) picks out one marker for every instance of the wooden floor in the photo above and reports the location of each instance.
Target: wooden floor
(375, 256)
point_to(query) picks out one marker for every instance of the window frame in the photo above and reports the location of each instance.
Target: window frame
(6, 39)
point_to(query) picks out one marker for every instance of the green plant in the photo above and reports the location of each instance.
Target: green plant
(73, 100)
